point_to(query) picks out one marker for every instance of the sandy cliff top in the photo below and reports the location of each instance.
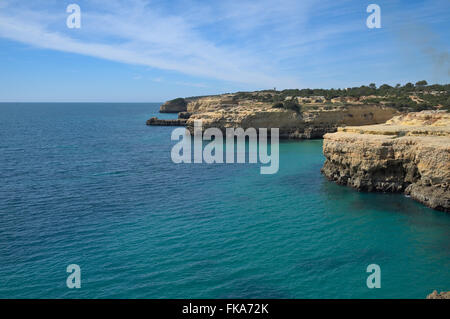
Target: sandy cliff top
(409, 153)
(425, 123)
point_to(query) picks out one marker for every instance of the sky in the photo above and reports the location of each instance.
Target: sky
(155, 50)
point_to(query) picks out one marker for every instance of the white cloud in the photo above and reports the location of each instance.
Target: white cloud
(244, 42)
(131, 32)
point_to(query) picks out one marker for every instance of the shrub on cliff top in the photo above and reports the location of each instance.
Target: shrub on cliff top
(288, 105)
(278, 105)
(178, 101)
(292, 105)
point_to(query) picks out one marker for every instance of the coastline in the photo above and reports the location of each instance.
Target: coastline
(103, 186)
(368, 147)
(395, 157)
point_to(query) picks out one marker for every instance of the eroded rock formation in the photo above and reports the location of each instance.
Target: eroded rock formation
(312, 121)
(410, 154)
(174, 106)
(436, 295)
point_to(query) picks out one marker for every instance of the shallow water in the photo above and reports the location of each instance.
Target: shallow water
(91, 184)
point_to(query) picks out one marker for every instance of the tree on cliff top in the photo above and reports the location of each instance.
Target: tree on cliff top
(421, 83)
(179, 100)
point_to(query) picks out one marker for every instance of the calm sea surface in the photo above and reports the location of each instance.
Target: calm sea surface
(91, 184)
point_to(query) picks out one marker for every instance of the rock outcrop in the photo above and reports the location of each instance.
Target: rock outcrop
(157, 122)
(436, 295)
(227, 111)
(309, 121)
(409, 154)
(184, 115)
(174, 106)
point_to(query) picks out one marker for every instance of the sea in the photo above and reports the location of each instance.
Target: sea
(90, 184)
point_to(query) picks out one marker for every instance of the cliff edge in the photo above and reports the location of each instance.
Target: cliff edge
(174, 106)
(409, 154)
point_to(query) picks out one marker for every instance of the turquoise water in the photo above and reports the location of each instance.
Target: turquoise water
(90, 184)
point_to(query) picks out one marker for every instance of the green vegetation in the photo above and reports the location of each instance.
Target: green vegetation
(178, 101)
(289, 105)
(406, 104)
(425, 96)
(278, 105)
(421, 83)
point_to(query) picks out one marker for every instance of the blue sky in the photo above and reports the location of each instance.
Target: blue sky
(142, 51)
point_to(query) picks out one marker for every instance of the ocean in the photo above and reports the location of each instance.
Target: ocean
(90, 184)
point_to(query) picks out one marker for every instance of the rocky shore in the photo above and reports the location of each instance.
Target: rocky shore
(436, 295)
(408, 154)
(157, 122)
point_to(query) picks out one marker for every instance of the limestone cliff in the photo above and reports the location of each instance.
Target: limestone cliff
(410, 154)
(256, 109)
(174, 106)
(226, 111)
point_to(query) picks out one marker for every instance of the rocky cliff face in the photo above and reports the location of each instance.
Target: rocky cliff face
(409, 154)
(174, 106)
(225, 111)
(436, 295)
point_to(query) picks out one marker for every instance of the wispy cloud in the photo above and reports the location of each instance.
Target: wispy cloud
(136, 32)
(249, 43)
